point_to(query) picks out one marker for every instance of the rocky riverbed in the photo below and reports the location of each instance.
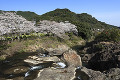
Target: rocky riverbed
(40, 66)
(44, 66)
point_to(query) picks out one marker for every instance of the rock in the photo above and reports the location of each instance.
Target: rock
(18, 78)
(2, 78)
(80, 75)
(72, 58)
(57, 74)
(102, 55)
(102, 61)
(118, 59)
(93, 75)
(38, 60)
(57, 51)
(86, 57)
(113, 74)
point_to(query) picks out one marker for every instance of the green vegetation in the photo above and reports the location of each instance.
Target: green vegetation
(86, 24)
(45, 41)
(112, 34)
(3, 45)
(98, 47)
(10, 37)
(31, 16)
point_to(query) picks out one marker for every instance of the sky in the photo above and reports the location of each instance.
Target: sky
(104, 10)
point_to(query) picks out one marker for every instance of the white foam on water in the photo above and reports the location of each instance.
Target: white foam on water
(78, 67)
(61, 64)
(79, 78)
(36, 67)
(27, 74)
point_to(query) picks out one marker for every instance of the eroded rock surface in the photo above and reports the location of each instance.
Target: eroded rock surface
(68, 73)
(102, 55)
(58, 50)
(72, 58)
(114, 74)
(93, 75)
(57, 74)
(38, 60)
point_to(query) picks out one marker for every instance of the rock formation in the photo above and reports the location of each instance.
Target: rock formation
(72, 58)
(102, 55)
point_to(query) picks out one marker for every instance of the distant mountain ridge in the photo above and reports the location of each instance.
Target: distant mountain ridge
(86, 24)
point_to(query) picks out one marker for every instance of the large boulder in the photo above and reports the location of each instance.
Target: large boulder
(59, 50)
(102, 55)
(102, 61)
(57, 74)
(92, 75)
(72, 58)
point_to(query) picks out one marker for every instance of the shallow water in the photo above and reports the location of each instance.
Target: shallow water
(15, 68)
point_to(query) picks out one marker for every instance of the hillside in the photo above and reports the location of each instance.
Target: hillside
(28, 15)
(86, 24)
(67, 15)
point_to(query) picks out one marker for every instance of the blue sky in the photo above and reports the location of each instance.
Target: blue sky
(104, 10)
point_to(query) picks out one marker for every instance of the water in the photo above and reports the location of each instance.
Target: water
(36, 67)
(61, 65)
(27, 73)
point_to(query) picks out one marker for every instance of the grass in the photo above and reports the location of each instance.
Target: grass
(2, 58)
(34, 44)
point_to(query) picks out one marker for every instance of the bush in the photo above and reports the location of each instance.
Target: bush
(109, 35)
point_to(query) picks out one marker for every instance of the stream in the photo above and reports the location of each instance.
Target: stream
(17, 69)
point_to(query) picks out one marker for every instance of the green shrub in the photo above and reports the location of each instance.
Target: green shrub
(109, 35)
(98, 47)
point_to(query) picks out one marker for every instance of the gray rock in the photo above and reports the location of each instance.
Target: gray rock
(37, 60)
(58, 50)
(93, 75)
(114, 74)
(57, 74)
